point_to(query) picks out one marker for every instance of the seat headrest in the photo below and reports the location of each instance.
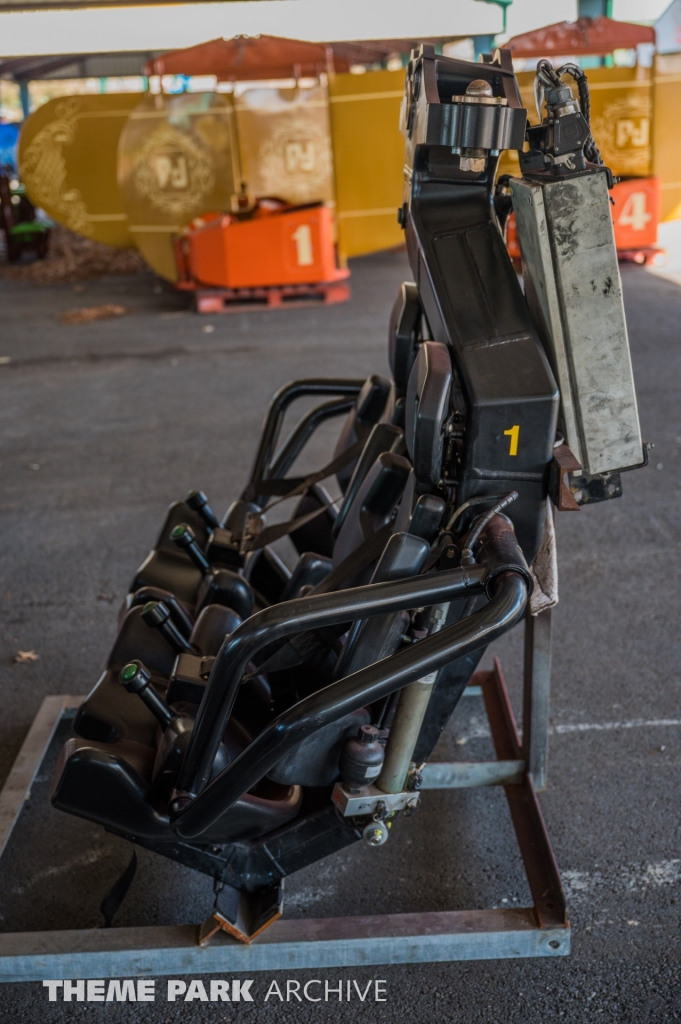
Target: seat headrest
(404, 336)
(372, 399)
(427, 407)
(367, 410)
(373, 503)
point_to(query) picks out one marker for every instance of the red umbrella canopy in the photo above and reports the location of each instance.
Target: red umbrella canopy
(579, 38)
(249, 59)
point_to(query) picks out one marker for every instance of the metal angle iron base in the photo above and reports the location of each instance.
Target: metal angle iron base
(542, 930)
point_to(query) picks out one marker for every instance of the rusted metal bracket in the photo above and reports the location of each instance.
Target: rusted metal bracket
(563, 462)
(243, 915)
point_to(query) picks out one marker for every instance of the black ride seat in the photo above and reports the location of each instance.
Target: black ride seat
(240, 757)
(114, 772)
(116, 751)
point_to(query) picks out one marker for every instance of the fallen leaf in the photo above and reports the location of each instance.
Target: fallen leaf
(87, 314)
(23, 656)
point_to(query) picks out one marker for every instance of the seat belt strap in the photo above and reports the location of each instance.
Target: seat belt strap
(289, 488)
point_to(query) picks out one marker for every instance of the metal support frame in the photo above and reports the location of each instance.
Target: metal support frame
(541, 930)
(17, 788)
(536, 696)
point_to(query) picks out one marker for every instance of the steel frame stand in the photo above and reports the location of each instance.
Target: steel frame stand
(540, 930)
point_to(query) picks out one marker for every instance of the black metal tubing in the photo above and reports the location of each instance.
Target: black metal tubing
(303, 431)
(280, 403)
(282, 620)
(341, 698)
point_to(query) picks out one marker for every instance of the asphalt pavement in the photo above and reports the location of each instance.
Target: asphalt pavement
(102, 425)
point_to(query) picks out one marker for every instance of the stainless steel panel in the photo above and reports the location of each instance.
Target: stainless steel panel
(574, 291)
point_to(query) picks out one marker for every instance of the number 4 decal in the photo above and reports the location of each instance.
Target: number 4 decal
(635, 213)
(514, 434)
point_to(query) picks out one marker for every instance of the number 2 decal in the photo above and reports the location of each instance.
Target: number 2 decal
(514, 434)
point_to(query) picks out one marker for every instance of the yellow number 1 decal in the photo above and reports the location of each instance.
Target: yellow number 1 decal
(514, 434)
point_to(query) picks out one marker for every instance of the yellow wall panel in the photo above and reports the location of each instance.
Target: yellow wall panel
(667, 133)
(368, 150)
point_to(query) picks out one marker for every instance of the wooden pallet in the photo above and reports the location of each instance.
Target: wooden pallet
(240, 300)
(651, 254)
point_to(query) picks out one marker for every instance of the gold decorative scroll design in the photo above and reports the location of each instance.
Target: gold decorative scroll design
(285, 143)
(622, 131)
(43, 169)
(173, 172)
(67, 159)
(177, 159)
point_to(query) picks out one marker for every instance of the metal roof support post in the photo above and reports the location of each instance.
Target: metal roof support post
(24, 97)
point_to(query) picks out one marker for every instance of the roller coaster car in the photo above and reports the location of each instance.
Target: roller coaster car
(252, 718)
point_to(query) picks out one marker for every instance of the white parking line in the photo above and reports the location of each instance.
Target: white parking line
(626, 878)
(635, 723)
(478, 729)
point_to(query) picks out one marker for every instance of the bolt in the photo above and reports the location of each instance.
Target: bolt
(375, 834)
(479, 87)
